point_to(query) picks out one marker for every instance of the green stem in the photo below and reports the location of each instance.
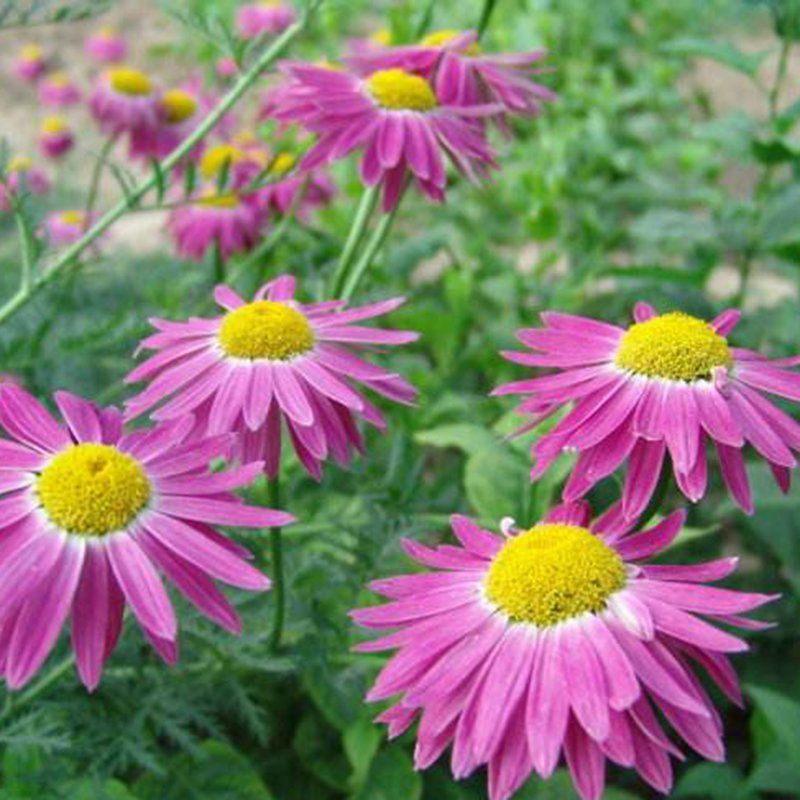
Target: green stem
(780, 77)
(486, 16)
(244, 82)
(26, 268)
(219, 263)
(374, 244)
(354, 237)
(38, 688)
(94, 185)
(276, 557)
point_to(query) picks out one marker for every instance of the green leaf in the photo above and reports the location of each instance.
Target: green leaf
(775, 150)
(391, 776)
(713, 782)
(470, 439)
(722, 52)
(361, 741)
(560, 787)
(496, 483)
(218, 773)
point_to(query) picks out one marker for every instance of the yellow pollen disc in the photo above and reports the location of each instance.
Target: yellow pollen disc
(282, 163)
(72, 217)
(211, 197)
(246, 138)
(217, 158)
(552, 573)
(127, 80)
(93, 489)
(674, 347)
(265, 329)
(31, 52)
(397, 89)
(107, 32)
(58, 79)
(54, 125)
(382, 37)
(178, 105)
(441, 38)
(20, 164)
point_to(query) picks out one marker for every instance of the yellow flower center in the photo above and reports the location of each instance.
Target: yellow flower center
(441, 38)
(54, 125)
(93, 489)
(178, 105)
(31, 52)
(107, 32)
(675, 347)
(552, 573)
(20, 164)
(381, 37)
(282, 163)
(127, 80)
(211, 197)
(265, 329)
(72, 217)
(58, 79)
(219, 157)
(397, 89)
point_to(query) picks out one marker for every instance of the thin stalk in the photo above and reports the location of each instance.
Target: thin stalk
(374, 244)
(486, 16)
(26, 259)
(97, 173)
(219, 263)
(38, 688)
(358, 228)
(278, 578)
(244, 82)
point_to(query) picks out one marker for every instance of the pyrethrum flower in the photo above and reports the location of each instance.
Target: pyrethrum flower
(464, 75)
(271, 361)
(179, 113)
(22, 175)
(396, 117)
(106, 46)
(557, 639)
(58, 90)
(30, 64)
(668, 385)
(215, 219)
(90, 517)
(267, 16)
(281, 196)
(124, 100)
(55, 137)
(65, 227)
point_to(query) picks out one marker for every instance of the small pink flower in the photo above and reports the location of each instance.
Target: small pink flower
(179, 113)
(65, 227)
(57, 90)
(124, 100)
(462, 74)
(227, 68)
(560, 639)
(273, 362)
(268, 16)
(55, 137)
(22, 175)
(396, 117)
(106, 46)
(215, 219)
(92, 515)
(30, 64)
(668, 385)
(281, 196)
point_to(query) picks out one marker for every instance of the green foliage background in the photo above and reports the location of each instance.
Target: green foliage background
(620, 191)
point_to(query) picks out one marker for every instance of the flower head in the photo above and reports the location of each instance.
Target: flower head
(106, 46)
(58, 90)
(215, 218)
(55, 137)
(65, 227)
(668, 385)
(557, 639)
(22, 175)
(30, 63)
(92, 515)
(125, 100)
(180, 111)
(268, 362)
(267, 16)
(462, 74)
(404, 127)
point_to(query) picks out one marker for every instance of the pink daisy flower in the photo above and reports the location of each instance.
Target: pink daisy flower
(55, 137)
(215, 218)
(57, 90)
(226, 68)
(398, 119)
(462, 74)
(22, 175)
(668, 385)
(106, 46)
(30, 63)
(124, 100)
(268, 16)
(91, 515)
(560, 638)
(270, 361)
(179, 113)
(65, 227)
